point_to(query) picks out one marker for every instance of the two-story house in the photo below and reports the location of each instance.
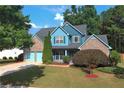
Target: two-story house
(66, 41)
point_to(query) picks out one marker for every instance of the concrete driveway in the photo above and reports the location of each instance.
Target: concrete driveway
(10, 68)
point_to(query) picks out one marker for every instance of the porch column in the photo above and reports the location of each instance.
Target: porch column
(66, 53)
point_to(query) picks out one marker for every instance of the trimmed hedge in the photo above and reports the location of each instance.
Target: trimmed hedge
(4, 58)
(10, 58)
(107, 69)
(90, 57)
(118, 71)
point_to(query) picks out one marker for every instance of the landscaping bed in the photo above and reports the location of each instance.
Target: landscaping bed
(117, 71)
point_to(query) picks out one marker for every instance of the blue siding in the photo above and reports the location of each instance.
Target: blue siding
(59, 32)
(39, 56)
(73, 32)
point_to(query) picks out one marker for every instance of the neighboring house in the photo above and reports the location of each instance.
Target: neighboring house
(66, 41)
(10, 53)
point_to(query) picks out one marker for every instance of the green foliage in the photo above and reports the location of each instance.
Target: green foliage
(84, 15)
(13, 30)
(115, 57)
(10, 58)
(107, 69)
(90, 57)
(15, 58)
(5, 58)
(47, 51)
(66, 59)
(112, 24)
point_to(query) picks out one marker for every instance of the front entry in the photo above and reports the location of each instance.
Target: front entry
(58, 55)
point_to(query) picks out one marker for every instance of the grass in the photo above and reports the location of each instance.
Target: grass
(55, 77)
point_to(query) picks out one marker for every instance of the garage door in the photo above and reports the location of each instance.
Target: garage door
(32, 57)
(39, 56)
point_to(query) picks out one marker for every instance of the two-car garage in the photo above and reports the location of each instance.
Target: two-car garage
(34, 56)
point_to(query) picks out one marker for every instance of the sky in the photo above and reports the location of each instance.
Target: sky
(43, 16)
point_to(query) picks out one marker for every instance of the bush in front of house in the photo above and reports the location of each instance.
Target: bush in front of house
(115, 57)
(4, 58)
(10, 57)
(90, 57)
(66, 59)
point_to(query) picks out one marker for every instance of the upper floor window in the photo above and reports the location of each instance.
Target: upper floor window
(59, 39)
(76, 39)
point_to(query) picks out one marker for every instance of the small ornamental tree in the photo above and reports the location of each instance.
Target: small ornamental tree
(90, 58)
(47, 51)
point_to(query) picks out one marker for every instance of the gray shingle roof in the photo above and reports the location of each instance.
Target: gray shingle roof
(44, 32)
(82, 28)
(102, 37)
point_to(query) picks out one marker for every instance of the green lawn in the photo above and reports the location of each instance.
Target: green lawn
(60, 77)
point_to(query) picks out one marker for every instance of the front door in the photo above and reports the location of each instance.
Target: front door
(58, 55)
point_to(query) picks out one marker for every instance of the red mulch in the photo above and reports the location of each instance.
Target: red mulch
(91, 76)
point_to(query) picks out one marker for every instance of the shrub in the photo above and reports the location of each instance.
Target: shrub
(115, 57)
(107, 69)
(4, 58)
(66, 59)
(119, 72)
(10, 58)
(15, 58)
(90, 57)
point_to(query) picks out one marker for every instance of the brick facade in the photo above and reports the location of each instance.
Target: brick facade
(95, 44)
(37, 46)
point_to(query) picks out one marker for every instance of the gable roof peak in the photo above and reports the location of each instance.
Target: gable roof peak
(72, 27)
(93, 35)
(61, 29)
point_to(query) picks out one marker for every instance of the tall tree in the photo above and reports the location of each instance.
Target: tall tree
(47, 51)
(84, 15)
(13, 30)
(113, 26)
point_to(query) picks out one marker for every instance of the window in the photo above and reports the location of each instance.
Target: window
(76, 39)
(59, 39)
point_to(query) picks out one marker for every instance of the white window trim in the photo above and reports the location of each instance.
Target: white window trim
(73, 39)
(59, 38)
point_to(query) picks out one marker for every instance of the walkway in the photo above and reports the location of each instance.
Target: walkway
(10, 68)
